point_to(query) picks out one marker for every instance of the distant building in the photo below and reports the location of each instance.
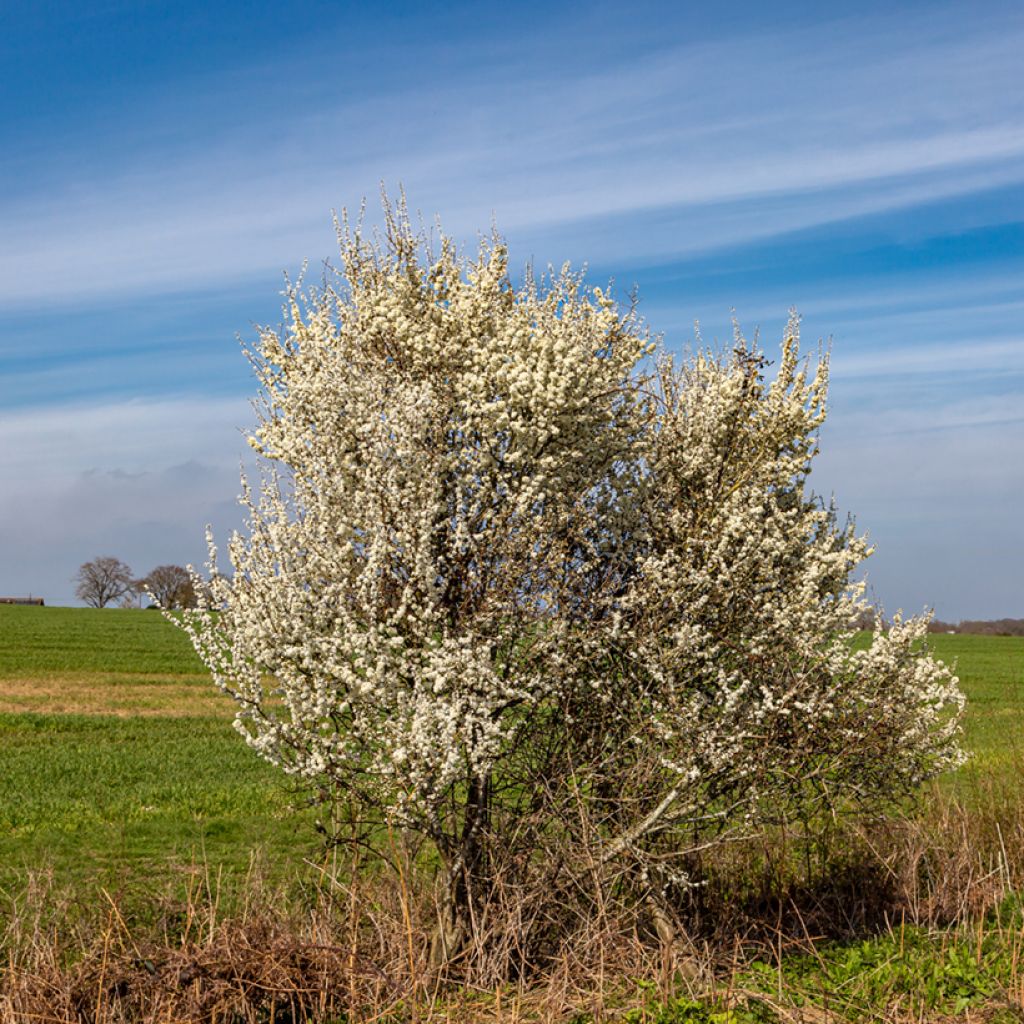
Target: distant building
(22, 600)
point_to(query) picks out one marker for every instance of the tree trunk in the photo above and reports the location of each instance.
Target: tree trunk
(464, 878)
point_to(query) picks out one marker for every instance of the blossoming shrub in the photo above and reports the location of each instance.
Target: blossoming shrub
(512, 586)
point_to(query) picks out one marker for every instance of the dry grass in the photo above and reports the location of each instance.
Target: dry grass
(355, 946)
(114, 693)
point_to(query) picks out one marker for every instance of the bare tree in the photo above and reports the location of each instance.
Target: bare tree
(170, 586)
(102, 580)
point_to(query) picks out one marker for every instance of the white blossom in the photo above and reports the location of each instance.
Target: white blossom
(494, 546)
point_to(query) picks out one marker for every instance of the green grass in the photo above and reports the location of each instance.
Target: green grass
(153, 777)
(99, 795)
(44, 641)
(153, 772)
(991, 671)
(925, 973)
(906, 973)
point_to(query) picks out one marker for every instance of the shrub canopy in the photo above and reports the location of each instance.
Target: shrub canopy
(515, 580)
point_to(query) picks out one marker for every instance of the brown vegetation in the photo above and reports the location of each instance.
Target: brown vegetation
(112, 693)
(987, 627)
(355, 944)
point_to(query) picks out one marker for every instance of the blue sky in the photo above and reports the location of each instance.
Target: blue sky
(162, 165)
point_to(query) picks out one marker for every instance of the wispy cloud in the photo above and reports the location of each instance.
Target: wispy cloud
(867, 170)
(700, 145)
(133, 436)
(971, 355)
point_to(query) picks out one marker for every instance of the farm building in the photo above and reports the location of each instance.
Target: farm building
(22, 600)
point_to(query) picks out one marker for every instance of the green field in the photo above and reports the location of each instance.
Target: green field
(118, 758)
(120, 769)
(38, 642)
(991, 671)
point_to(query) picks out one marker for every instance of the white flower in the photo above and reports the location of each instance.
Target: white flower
(478, 513)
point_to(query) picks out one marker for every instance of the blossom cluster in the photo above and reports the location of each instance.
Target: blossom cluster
(495, 541)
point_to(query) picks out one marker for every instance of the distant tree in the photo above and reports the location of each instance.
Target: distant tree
(170, 586)
(102, 580)
(992, 627)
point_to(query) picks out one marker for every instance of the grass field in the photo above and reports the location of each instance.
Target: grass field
(120, 772)
(118, 759)
(117, 753)
(43, 642)
(991, 671)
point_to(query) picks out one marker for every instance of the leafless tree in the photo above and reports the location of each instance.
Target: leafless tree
(170, 586)
(102, 580)
(132, 597)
